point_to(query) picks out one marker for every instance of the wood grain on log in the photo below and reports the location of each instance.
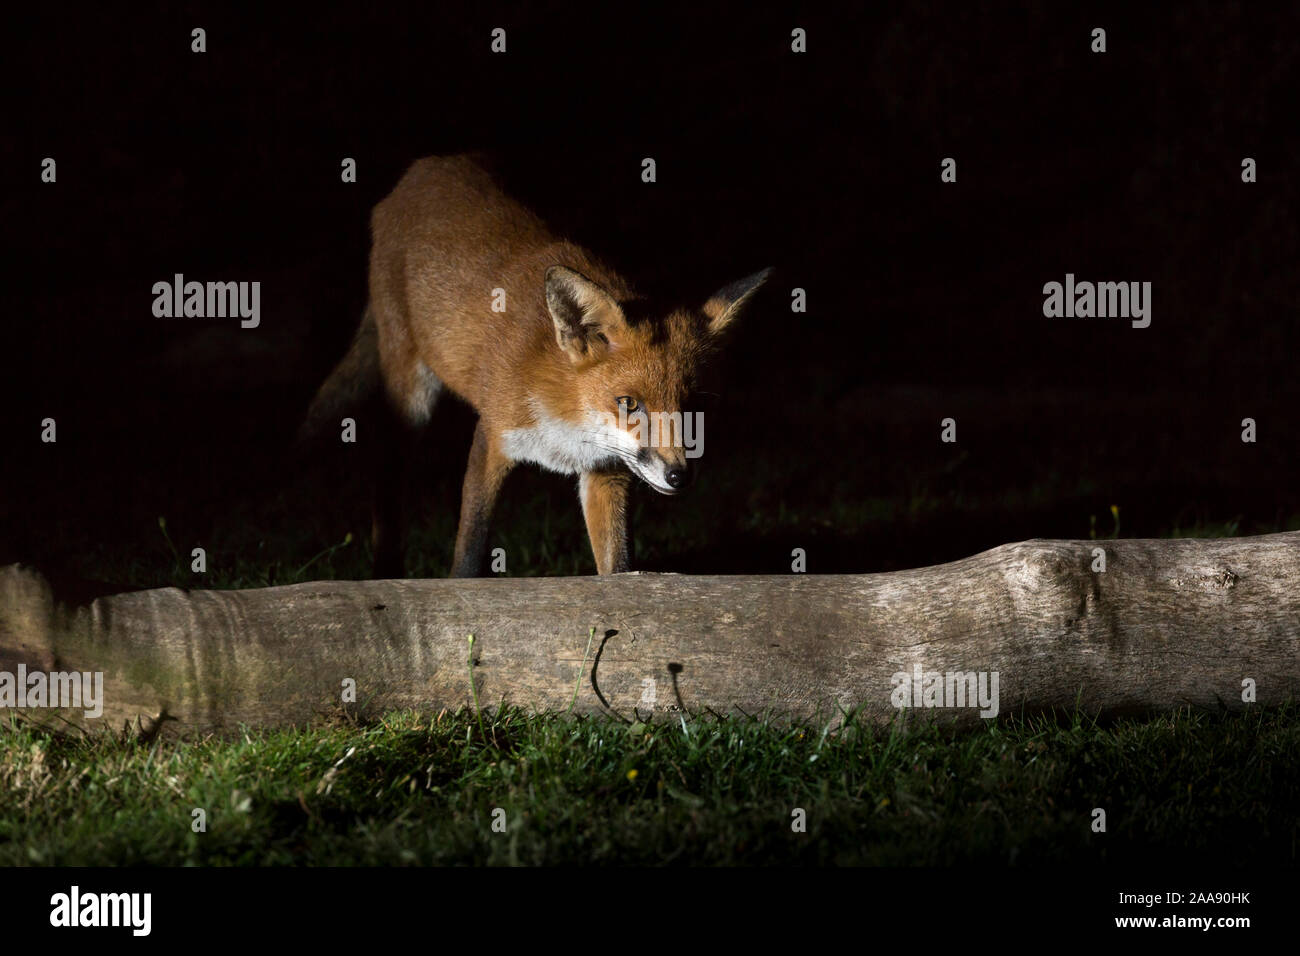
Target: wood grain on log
(1167, 623)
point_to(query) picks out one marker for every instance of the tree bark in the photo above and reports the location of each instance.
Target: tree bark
(1167, 623)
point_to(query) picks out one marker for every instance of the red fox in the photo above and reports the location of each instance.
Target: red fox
(471, 293)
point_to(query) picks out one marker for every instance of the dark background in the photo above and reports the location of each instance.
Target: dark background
(924, 298)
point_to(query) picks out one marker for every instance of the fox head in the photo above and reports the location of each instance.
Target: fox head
(635, 375)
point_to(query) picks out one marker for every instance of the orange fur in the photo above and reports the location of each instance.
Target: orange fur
(571, 341)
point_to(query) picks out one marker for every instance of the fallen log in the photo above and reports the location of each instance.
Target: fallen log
(1167, 623)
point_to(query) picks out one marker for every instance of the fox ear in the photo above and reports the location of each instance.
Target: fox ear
(725, 304)
(585, 315)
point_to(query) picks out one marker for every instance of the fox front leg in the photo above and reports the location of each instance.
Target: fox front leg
(484, 475)
(605, 506)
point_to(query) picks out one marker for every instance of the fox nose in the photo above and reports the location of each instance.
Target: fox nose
(678, 476)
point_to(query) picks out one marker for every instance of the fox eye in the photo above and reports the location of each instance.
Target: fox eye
(628, 403)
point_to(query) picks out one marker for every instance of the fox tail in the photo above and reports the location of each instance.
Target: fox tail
(351, 383)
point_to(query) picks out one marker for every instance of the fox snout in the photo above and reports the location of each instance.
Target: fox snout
(668, 472)
(679, 476)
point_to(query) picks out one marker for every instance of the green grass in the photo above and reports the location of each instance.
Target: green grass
(579, 790)
(1182, 787)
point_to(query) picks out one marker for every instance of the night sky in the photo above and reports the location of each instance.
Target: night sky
(1115, 166)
